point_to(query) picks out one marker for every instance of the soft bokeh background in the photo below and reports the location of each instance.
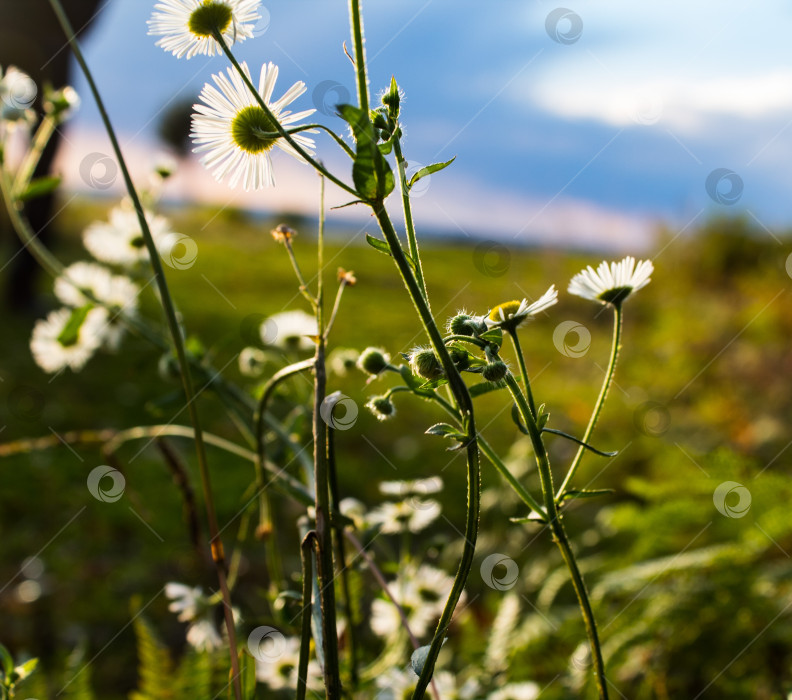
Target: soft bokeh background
(591, 147)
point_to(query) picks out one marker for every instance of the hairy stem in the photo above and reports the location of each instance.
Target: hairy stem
(614, 356)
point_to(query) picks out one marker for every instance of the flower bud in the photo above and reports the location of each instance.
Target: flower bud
(382, 407)
(373, 361)
(495, 371)
(460, 357)
(464, 324)
(424, 363)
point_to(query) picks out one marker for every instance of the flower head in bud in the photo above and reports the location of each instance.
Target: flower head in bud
(62, 103)
(373, 361)
(460, 357)
(382, 407)
(283, 234)
(495, 371)
(424, 363)
(511, 314)
(347, 277)
(465, 324)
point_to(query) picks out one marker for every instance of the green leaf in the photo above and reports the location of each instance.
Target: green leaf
(247, 672)
(24, 670)
(71, 331)
(494, 335)
(6, 661)
(532, 517)
(428, 170)
(543, 418)
(371, 173)
(39, 188)
(561, 433)
(348, 204)
(409, 378)
(444, 430)
(485, 388)
(586, 493)
(433, 384)
(386, 148)
(378, 244)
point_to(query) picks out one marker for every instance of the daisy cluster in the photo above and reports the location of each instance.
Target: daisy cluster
(237, 124)
(100, 297)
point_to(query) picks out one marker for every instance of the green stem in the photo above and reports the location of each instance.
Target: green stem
(465, 404)
(356, 22)
(297, 271)
(338, 526)
(25, 173)
(306, 551)
(409, 224)
(559, 533)
(614, 356)
(317, 165)
(218, 555)
(308, 127)
(523, 371)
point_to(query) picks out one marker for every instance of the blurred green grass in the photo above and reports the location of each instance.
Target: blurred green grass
(705, 352)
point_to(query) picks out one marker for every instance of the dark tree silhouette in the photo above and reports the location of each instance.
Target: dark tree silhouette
(32, 40)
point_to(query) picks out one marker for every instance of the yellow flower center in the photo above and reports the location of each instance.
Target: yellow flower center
(509, 308)
(248, 129)
(210, 17)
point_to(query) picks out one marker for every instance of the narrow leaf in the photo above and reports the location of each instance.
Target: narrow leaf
(39, 188)
(445, 430)
(517, 418)
(378, 244)
(485, 388)
(428, 170)
(495, 335)
(580, 442)
(586, 493)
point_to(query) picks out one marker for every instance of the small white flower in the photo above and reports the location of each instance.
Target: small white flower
(280, 670)
(612, 284)
(187, 26)
(516, 691)
(423, 487)
(202, 635)
(228, 127)
(68, 338)
(120, 241)
(413, 515)
(290, 330)
(110, 289)
(421, 593)
(252, 361)
(17, 95)
(187, 601)
(511, 314)
(396, 684)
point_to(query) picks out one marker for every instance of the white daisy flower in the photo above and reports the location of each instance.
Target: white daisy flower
(516, 691)
(414, 515)
(279, 669)
(511, 314)
(290, 330)
(202, 635)
(116, 291)
(422, 487)
(228, 127)
(120, 241)
(68, 338)
(396, 684)
(113, 290)
(17, 95)
(186, 600)
(612, 284)
(252, 361)
(420, 592)
(187, 27)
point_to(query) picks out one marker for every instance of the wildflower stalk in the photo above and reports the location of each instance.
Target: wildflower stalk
(456, 383)
(409, 224)
(28, 166)
(523, 371)
(306, 551)
(614, 356)
(324, 564)
(559, 532)
(218, 555)
(338, 526)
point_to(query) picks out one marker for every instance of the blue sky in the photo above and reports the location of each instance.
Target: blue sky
(589, 139)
